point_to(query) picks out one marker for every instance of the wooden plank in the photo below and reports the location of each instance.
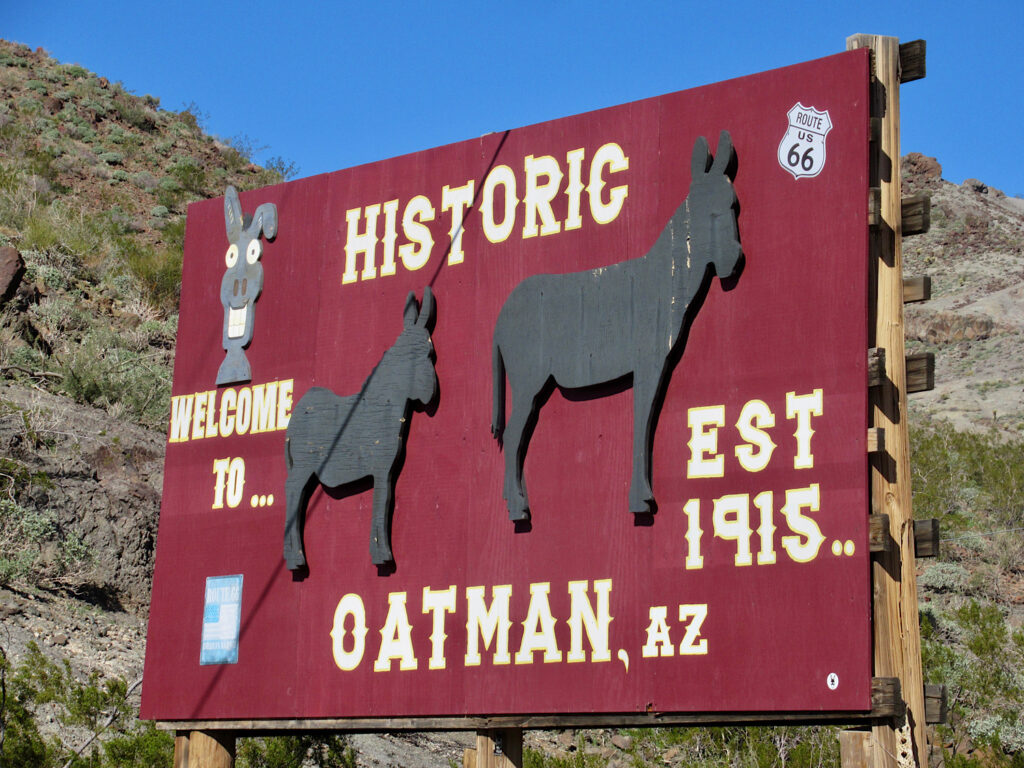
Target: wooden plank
(912, 61)
(499, 748)
(855, 749)
(885, 704)
(935, 704)
(874, 207)
(926, 538)
(920, 372)
(917, 289)
(876, 440)
(916, 212)
(896, 631)
(211, 749)
(181, 749)
(876, 366)
(887, 696)
(469, 757)
(879, 539)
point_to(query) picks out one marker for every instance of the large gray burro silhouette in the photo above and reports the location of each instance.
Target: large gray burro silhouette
(341, 440)
(631, 318)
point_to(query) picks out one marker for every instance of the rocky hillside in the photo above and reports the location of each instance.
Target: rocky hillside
(93, 187)
(974, 323)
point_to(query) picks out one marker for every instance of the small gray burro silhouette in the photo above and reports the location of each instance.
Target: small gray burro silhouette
(599, 326)
(340, 440)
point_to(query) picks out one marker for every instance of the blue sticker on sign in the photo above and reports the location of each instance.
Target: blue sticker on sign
(222, 613)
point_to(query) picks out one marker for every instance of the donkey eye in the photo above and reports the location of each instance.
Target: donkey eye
(252, 253)
(231, 257)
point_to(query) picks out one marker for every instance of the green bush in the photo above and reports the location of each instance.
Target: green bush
(295, 752)
(35, 550)
(94, 716)
(103, 371)
(189, 174)
(75, 71)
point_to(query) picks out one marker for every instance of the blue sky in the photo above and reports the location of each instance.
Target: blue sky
(331, 85)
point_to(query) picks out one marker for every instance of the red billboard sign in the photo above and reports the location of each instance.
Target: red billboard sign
(566, 419)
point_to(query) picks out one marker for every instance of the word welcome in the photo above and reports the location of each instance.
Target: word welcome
(232, 411)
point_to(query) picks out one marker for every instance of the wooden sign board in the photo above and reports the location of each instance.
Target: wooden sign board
(743, 586)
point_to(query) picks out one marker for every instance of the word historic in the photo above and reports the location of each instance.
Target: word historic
(500, 205)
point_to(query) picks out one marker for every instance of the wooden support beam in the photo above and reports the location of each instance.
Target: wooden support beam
(496, 748)
(181, 749)
(936, 708)
(887, 696)
(917, 289)
(920, 372)
(912, 61)
(855, 749)
(926, 538)
(897, 640)
(205, 749)
(879, 539)
(876, 366)
(876, 440)
(916, 212)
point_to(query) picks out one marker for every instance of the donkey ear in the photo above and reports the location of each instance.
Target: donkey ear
(265, 220)
(426, 318)
(701, 160)
(232, 214)
(725, 154)
(411, 311)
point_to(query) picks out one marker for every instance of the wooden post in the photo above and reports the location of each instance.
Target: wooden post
(181, 749)
(204, 749)
(901, 744)
(855, 749)
(499, 748)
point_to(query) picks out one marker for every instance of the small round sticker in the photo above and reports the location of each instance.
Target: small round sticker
(832, 681)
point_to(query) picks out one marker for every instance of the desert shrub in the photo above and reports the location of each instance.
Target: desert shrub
(28, 105)
(945, 577)
(105, 372)
(971, 481)
(974, 652)
(70, 236)
(286, 169)
(174, 233)
(189, 174)
(132, 112)
(75, 71)
(295, 752)
(96, 723)
(34, 548)
(144, 180)
(158, 271)
(94, 106)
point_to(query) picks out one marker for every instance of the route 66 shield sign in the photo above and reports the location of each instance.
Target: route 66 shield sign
(802, 149)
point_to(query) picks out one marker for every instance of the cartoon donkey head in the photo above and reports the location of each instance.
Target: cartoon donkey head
(242, 282)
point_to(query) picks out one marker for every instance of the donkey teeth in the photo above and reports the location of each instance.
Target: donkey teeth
(236, 321)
